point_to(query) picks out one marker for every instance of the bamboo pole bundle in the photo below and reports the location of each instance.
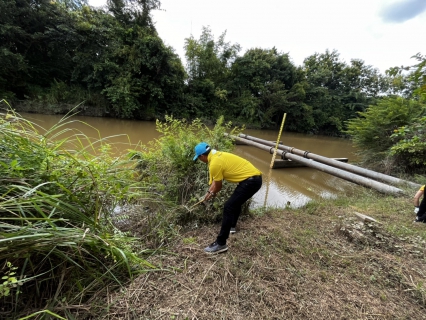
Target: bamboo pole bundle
(335, 163)
(366, 182)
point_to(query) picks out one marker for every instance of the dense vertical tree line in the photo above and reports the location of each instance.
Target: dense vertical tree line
(113, 58)
(50, 50)
(37, 39)
(336, 91)
(261, 85)
(208, 67)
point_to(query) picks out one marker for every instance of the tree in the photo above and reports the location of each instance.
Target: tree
(419, 76)
(409, 141)
(260, 86)
(408, 81)
(37, 38)
(133, 12)
(336, 91)
(49, 48)
(208, 67)
(410, 145)
(142, 77)
(74, 4)
(207, 58)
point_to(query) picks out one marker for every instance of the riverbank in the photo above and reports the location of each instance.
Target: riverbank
(316, 262)
(59, 212)
(45, 108)
(87, 110)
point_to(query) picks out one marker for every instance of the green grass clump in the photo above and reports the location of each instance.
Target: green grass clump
(166, 166)
(58, 193)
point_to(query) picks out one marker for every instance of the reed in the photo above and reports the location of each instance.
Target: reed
(58, 192)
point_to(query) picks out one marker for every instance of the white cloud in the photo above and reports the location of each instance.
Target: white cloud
(97, 3)
(300, 27)
(403, 10)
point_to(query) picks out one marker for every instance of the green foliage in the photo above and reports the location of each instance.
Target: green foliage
(207, 58)
(399, 83)
(145, 77)
(261, 80)
(167, 167)
(123, 57)
(336, 91)
(208, 67)
(372, 131)
(65, 52)
(58, 192)
(129, 12)
(408, 81)
(391, 132)
(410, 146)
(419, 76)
(8, 279)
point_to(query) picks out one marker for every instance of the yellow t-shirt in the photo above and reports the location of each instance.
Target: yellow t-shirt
(422, 188)
(229, 167)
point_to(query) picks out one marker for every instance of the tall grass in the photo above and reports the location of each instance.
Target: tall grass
(63, 194)
(58, 191)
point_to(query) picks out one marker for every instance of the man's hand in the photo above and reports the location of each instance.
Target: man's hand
(209, 195)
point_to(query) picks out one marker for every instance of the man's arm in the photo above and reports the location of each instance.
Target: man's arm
(215, 187)
(417, 197)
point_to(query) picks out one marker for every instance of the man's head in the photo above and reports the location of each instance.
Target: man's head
(201, 151)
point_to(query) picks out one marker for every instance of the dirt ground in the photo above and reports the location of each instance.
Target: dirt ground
(283, 265)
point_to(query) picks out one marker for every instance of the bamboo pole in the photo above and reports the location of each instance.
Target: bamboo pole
(273, 159)
(381, 187)
(278, 142)
(337, 164)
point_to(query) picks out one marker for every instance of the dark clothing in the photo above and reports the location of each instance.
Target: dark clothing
(232, 208)
(421, 215)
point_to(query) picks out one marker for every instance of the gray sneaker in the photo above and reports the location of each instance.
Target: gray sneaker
(232, 231)
(215, 248)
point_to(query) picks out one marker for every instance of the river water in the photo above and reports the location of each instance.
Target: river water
(287, 186)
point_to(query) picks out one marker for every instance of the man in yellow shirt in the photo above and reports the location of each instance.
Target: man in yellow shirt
(234, 169)
(420, 207)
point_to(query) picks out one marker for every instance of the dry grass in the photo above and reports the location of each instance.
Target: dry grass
(318, 262)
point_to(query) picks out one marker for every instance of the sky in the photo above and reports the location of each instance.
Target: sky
(382, 33)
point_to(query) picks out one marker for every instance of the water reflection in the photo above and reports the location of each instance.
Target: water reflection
(297, 186)
(117, 130)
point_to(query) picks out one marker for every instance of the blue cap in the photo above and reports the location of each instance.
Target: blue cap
(200, 149)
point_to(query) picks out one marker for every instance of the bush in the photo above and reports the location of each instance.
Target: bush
(59, 191)
(410, 146)
(371, 132)
(167, 166)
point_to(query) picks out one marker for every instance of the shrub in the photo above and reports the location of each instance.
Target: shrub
(58, 192)
(372, 131)
(167, 165)
(410, 146)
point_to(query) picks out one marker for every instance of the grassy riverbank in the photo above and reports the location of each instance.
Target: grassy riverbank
(85, 234)
(316, 262)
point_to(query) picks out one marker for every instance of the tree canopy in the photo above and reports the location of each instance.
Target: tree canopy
(114, 59)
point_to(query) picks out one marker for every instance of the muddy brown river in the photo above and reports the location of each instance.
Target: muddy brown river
(293, 186)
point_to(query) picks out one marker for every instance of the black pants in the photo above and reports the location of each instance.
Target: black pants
(232, 208)
(421, 215)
